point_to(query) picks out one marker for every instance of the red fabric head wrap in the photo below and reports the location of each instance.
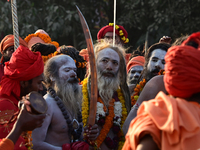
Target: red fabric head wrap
(9, 41)
(109, 28)
(182, 72)
(135, 61)
(23, 66)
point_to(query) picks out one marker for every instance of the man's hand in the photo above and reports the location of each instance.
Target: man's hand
(27, 121)
(91, 133)
(166, 39)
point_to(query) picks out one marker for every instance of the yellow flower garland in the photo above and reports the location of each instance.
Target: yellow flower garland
(85, 110)
(124, 39)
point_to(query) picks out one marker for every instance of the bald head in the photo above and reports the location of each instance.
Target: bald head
(57, 66)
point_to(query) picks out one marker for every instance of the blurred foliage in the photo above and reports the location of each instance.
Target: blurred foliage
(59, 18)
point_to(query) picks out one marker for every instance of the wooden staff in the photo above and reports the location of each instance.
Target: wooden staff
(15, 24)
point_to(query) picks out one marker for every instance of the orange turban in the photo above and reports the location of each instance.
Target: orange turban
(9, 41)
(24, 65)
(135, 61)
(182, 69)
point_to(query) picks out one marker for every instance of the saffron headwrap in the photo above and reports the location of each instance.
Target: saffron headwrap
(9, 41)
(135, 61)
(182, 68)
(23, 66)
(119, 30)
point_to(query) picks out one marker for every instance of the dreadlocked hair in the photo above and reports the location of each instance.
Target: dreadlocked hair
(44, 49)
(79, 60)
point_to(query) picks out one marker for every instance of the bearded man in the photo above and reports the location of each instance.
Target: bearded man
(154, 63)
(114, 99)
(172, 121)
(23, 74)
(63, 125)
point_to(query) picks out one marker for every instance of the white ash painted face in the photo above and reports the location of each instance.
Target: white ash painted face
(134, 74)
(157, 60)
(109, 36)
(68, 69)
(108, 60)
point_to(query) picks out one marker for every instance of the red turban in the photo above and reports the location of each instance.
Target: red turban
(135, 61)
(182, 69)
(9, 41)
(23, 66)
(109, 28)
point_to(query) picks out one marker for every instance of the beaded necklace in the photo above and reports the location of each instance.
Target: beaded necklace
(75, 128)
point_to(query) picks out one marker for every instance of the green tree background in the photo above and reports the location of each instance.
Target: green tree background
(60, 19)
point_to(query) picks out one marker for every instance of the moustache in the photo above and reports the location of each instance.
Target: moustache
(73, 80)
(109, 73)
(155, 71)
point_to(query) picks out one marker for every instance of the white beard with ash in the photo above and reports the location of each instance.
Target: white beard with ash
(70, 93)
(107, 86)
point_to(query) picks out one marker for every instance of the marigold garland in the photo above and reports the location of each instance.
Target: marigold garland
(80, 64)
(28, 140)
(45, 58)
(139, 87)
(109, 120)
(44, 37)
(121, 34)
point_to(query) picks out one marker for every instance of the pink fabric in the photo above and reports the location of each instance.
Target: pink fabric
(173, 123)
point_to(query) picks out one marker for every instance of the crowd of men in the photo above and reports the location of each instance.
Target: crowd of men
(146, 100)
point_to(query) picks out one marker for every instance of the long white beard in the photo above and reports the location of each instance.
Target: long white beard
(70, 94)
(107, 86)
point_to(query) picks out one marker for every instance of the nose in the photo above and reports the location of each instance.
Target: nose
(109, 66)
(136, 75)
(159, 65)
(40, 87)
(73, 74)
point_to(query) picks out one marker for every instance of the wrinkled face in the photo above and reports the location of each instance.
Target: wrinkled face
(108, 62)
(156, 61)
(68, 70)
(8, 53)
(35, 85)
(109, 36)
(134, 74)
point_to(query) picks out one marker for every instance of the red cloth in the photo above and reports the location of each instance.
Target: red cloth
(135, 61)
(80, 145)
(174, 124)
(183, 82)
(23, 66)
(109, 28)
(9, 41)
(8, 115)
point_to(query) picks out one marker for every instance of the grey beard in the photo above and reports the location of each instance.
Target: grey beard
(70, 94)
(107, 86)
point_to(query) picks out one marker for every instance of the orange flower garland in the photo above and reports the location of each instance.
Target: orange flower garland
(108, 124)
(85, 114)
(44, 37)
(140, 87)
(137, 90)
(45, 58)
(28, 140)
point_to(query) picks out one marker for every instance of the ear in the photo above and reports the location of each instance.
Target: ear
(52, 78)
(24, 84)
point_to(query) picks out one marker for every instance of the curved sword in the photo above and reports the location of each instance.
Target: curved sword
(94, 96)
